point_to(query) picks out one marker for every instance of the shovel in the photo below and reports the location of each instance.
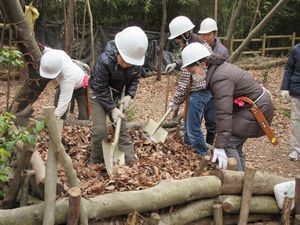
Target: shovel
(154, 129)
(112, 154)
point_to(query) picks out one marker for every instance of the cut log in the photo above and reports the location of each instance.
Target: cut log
(189, 213)
(165, 194)
(246, 196)
(258, 204)
(232, 182)
(233, 219)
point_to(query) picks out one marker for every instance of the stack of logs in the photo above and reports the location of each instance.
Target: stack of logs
(227, 197)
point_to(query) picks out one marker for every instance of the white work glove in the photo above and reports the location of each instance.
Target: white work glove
(125, 101)
(170, 67)
(116, 113)
(174, 106)
(285, 94)
(220, 155)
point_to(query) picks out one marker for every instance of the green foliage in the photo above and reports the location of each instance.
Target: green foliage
(9, 139)
(11, 58)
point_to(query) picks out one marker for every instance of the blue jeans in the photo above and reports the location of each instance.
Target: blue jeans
(192, 132)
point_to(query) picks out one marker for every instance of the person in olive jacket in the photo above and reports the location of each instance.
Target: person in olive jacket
(290, 86)
(227, 82)
(119, 66)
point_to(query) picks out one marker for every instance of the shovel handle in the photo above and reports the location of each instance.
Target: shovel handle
(162, 120)
(119, 121)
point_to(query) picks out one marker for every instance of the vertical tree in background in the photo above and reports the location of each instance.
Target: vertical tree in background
(162, 38)
(69, 27)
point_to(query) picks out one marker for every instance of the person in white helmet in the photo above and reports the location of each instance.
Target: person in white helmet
(227, 82)
(200, 102)
(290, 88)
(72, 78)
(119, 66)
(208, 31)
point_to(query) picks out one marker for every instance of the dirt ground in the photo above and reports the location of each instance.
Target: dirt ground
(150, 103)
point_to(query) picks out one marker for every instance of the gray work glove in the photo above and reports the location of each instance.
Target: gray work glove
(285, 94)
(220, 155)
(173, 106)
(116, 114)
(170, 67)
(126, 101)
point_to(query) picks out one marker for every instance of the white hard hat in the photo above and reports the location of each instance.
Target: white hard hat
(51, 64)
(132, 44)
(208, 25)
(192, 53)
(179, 25)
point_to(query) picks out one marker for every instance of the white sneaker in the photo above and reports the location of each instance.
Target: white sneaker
(293, 155)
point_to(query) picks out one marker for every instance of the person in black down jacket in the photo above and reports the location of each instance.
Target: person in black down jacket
(234, 119)
(119, 66)
(291, 87)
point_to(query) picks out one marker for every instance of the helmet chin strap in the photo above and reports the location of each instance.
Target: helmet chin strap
(186, 39)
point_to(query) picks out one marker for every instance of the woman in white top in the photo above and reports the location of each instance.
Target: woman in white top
(72, 80)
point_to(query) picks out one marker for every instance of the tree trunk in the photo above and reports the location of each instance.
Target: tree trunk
(74, 205)
(34, 84)
(92, 60)
(69, 29)
(232, 23)
(232, 182)
(23, 161)
(162, 38)
(165, 194)
(255, 31)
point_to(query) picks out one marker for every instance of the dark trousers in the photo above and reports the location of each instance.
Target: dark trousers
(210, 121)
(81, 98)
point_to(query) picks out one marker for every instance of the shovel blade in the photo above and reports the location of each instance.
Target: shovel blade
(112, 155)
(160, 135)
(150, 126)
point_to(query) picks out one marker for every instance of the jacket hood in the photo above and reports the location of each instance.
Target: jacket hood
(111, 50)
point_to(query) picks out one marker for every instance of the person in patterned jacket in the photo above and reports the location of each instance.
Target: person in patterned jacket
(192, 86)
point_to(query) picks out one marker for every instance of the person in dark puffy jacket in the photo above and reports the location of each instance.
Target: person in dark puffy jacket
(290, 86)
(234, 119)
(119, 66)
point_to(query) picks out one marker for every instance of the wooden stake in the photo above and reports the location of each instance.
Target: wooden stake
(218, 214)
(203, 163)
(246, 196)
(297, 219)
(74, 205)
(286, 211)
(232, 163)
(297, 195)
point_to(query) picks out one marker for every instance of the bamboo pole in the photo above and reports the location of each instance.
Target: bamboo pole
(246, 196)
(293, 39)
(263, 47)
